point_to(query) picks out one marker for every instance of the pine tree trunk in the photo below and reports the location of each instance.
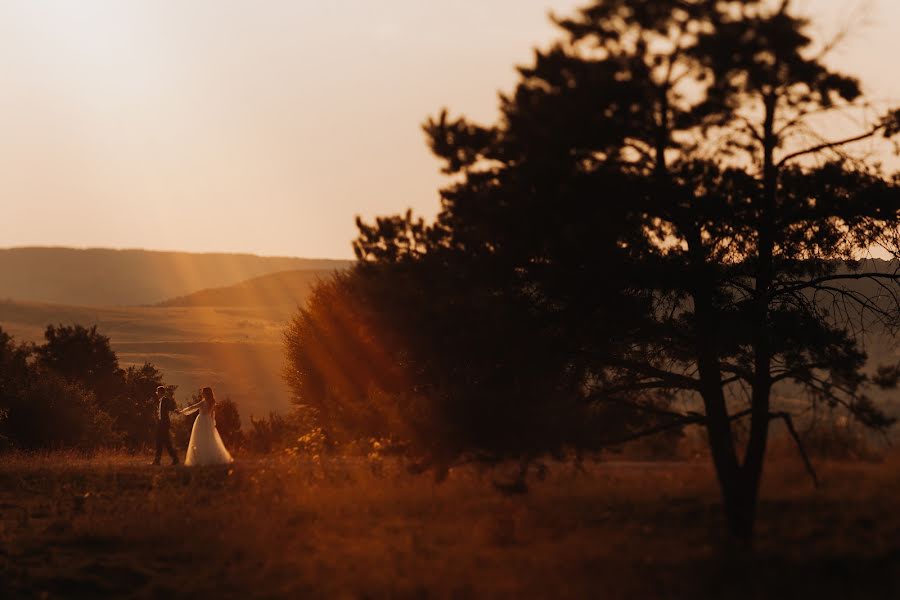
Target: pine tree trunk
(738, 500)
(738, 484)
(742, 514)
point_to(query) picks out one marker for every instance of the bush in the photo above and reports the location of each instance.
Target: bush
(53, 413)
(228, 422)
(49, 394)
(275, 433)
(392, 351)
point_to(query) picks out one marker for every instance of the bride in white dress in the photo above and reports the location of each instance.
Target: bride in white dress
(205, 447)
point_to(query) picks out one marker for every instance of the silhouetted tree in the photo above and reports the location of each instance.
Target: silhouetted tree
(84, 355)
(650, 195)
(47, 396)
(40, 409)
(15, 378)
(13, 365)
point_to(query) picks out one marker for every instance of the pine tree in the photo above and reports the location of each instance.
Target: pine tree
(651, 192)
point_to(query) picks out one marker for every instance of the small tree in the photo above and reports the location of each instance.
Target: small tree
(42, 410)
(85, 356)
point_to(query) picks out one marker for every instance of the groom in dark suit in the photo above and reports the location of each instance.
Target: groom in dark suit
(163, 437)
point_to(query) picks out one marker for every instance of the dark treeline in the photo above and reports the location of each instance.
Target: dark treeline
(71, 393)
(653, 234)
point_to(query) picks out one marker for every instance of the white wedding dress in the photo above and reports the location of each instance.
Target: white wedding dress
(206, 447)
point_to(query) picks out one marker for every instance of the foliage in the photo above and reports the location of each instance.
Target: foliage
(228, 423)
(84, 355)
(648, 199)
(42, 410)
(137, 406)
(363, 362)
(275, 433)
(70, 392)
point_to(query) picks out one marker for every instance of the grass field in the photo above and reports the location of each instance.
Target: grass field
(112, 526)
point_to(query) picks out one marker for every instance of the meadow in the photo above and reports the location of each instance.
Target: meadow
(298, 526)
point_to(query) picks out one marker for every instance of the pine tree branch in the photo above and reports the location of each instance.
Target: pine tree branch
(793, 286)
(863, 303)
(646, 408)
(694, 419)
(830, 145)
(789, 423)
(738, 371)
(634, 387)
(674, 380)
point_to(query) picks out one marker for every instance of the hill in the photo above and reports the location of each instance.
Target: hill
(227, 334)
(105, 277)
(280, 293)
(237, 351)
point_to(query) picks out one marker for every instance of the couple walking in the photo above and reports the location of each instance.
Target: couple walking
(205, 447)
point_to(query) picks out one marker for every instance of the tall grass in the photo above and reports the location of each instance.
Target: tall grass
(291, 526)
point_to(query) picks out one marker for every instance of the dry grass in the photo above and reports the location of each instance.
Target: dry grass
(288, 527)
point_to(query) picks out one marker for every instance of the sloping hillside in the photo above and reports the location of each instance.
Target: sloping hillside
(279, 293)
(227, 335)
(238, 351)
(104, 277)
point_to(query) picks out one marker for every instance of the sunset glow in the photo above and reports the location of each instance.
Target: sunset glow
(468, 299)
(237, 126)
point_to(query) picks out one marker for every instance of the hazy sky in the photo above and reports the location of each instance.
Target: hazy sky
(265, 127)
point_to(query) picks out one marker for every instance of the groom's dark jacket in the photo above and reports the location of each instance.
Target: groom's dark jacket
(166, 405)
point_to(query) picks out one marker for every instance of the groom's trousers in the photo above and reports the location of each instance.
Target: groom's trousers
(164, 440)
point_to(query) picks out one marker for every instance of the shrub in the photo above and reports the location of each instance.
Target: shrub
(391, 351)
(228, 422)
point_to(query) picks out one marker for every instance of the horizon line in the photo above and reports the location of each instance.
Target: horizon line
(170, 251)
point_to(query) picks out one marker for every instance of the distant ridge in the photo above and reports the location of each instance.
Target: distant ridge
(106, 277)
(284, 289)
